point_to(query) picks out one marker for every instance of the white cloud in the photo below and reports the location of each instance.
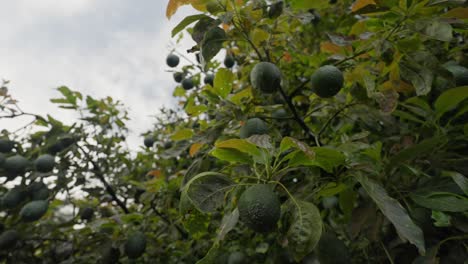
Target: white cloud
(99, 47)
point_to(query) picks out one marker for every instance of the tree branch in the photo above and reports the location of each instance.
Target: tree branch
(297, 117)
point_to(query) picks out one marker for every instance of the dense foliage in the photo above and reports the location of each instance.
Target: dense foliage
(331, 130)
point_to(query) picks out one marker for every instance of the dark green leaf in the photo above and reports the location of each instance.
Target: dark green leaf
(212, 44)
(450, 99)
(393, 210)
(445, 202)
(305, 230)
(206, 190)
(185, 22)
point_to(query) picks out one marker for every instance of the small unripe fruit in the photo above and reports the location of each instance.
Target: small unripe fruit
(172, 60)
(45, 163)
(229, 61)
(187, 84)
(209, 79)
(149, 141)
(178, 77)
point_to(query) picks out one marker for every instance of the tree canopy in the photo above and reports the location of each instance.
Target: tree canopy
(329, 130)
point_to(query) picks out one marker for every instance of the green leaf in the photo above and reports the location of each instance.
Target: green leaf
(393, 210)
(425, 147)
(185, 22)
(450, 99)
(228, 223)
(445, 202)
(223, 82)
(419, 76)
(239, 144)
(305, 229)
(231, 155)
(439, 30)
(441, 219)
(212, 44)
(289, 142)
(308, 4)
(374, 151)
(206, 190)
(459, 179)
(347, 199)
(212, 255)
(201, 27)
(182, 134)
(331, 189)
(328, 158)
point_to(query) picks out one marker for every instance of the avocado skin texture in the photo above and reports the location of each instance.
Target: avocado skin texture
(34, 210)
(111, 255)
(87, 213)
(331, 250)
(149, 141)
(266, 77)
(459, 73)
(187, 84)
(8, 239)
(209, 79)
(280, 114)
(6, 145)
(2, 159)
(38, 191)
(236, 258)
(135, 245)
(45, 163)
(259, 208)
(16, 164)
(172, 60)
(13, 198)
(275, 9)
(327, 81)
(253, 126)
(178, 77)
(229, 61)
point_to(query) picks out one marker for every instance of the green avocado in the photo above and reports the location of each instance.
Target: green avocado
(149, 141)
(209, 79)
(187, 84)
(280, 114)
(460, 74)
(45, 163)
(38, 191)
(331, 250)
(135, 245)
(6, 145)
(172, 60)
(34, 210)
(13, 198)
(229, 61)
(236, 258)
(8, 239)
(178, 76)
(253, 126)
(275, 9)
(266, 77)
(259, 208)
(327, 81)
(87, 213)
(110, 255)
(2, 159)
(16, 165)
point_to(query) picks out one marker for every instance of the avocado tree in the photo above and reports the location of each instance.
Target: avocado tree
(329, 130)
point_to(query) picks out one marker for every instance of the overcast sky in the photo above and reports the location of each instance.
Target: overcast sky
(99, 47)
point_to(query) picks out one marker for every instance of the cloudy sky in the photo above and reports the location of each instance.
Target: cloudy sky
(98, 47)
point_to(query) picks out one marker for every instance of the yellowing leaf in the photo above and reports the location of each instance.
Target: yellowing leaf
(182, 134)
(154, 173)
(359, 4)
(330, 47)
(173, 5)
(397, 85)
(459, 12)
(195, 148)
